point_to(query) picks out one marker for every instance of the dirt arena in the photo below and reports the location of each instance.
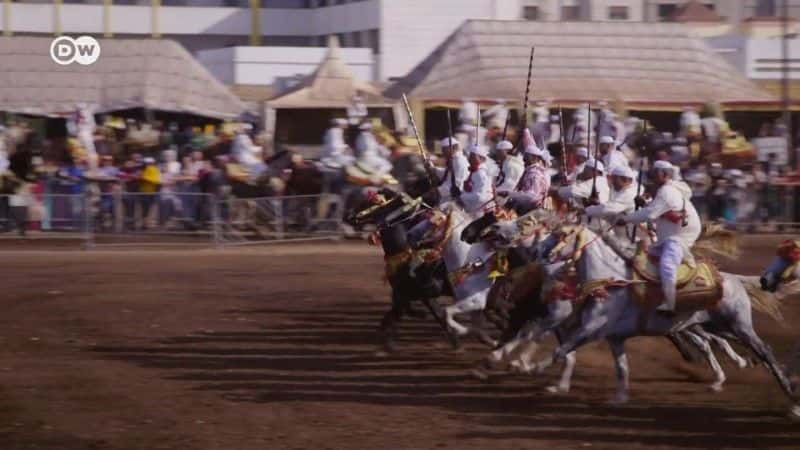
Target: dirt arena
(274, 348)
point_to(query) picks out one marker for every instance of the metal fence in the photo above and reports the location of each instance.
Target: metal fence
(116, 218)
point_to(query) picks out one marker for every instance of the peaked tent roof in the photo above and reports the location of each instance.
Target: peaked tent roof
(332, 85)
(130, 73)
(645, 65)
(694, 11)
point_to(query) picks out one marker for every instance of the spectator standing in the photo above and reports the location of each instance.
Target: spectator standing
(149, 185)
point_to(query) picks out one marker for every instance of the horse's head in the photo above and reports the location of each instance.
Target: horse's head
(384, 208)
(475, 230)
(784, 268)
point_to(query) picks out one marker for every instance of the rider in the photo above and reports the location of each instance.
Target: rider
(677, 227)
(369, 152)
(477, 189)
(511, 167)
(621, 200)
(532, 188)
(455, 173)
(334, 149)
(581, 155)
(581, 191)
(611, 156)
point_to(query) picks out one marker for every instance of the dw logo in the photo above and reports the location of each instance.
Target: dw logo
(83, 50)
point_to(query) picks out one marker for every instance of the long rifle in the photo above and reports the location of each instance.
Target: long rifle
(596, 150)
(524, 120)
(561, 133)
(450, 168)
(639, 178)
(419, 141)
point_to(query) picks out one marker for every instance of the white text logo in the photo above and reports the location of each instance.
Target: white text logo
(83, 50)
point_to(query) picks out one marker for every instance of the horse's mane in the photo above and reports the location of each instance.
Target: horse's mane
(715, 240)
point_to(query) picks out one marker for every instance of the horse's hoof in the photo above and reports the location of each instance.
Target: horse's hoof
(619, 399)
(716, 387)
(479, 374)
(556, 389)
(794, 413)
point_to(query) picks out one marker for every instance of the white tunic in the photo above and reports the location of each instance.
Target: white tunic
(615, 158)
(369, 156)
(619, 202)
(334, 149)
(456, 176)
(513, 168)
(477, 192)
(583, 189)
(673, 196)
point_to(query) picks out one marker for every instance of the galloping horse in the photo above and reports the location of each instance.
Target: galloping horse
(619, 316)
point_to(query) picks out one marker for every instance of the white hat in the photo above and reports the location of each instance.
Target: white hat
(623, 171)
(534, 150)
(505, 145)
(365, 126)
(663, 165)
(735, 173)
(339, 122)
(582, 151)
(480, 150)
(594, 164)
(149, 160)
(606, 140)
(446, 142)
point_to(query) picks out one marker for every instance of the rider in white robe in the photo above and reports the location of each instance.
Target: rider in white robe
(335, 152)
(511, 167)
(621, 199)
(456, 171)
(581, 190)
(369, 154)
(478, 189)
(248, 154)
(677, 227)
(581, 156)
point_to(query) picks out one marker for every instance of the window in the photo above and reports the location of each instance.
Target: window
(766, 8)
(570, 13)
(618, 13)
(530, 13)
(666, 10)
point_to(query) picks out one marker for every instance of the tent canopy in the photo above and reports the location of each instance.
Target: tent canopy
(332, 85)
(130, 73)
(643, 65)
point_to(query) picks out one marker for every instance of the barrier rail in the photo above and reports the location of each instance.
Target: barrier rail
(168, 218)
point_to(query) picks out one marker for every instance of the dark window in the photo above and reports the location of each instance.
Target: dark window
(530, 13)
(666, 10)
(570, 13)
(766, 8)
(618, 13)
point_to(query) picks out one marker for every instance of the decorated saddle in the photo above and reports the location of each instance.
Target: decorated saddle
(699, 284)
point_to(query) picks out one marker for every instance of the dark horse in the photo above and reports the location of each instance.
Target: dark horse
(424, 283)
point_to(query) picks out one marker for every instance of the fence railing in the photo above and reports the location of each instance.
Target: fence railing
(168, 218)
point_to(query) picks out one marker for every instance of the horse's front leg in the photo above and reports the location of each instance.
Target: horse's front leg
(593, 321)
(705, 347)
(474, 302)
(623, 373)
(565, 382)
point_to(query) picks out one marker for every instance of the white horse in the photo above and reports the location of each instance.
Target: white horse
(468, 269)
(518, 350)
(619, 317)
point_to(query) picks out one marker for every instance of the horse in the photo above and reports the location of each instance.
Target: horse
(392, 213)
(610, 311)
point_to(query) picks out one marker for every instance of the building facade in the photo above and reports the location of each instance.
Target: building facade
(399, 33)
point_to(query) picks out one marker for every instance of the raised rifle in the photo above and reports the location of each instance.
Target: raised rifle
(639, 178)
(563, 142)
(524, 119)
(423, 154)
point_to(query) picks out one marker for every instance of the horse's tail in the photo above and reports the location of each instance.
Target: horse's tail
(762, 301)
(716, 240)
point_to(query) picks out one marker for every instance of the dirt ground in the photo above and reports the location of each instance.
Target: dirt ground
(274, 348)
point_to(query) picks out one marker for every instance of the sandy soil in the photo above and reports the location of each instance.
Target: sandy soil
(274, 348)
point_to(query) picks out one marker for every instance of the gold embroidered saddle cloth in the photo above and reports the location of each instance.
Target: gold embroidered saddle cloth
(699, 285)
